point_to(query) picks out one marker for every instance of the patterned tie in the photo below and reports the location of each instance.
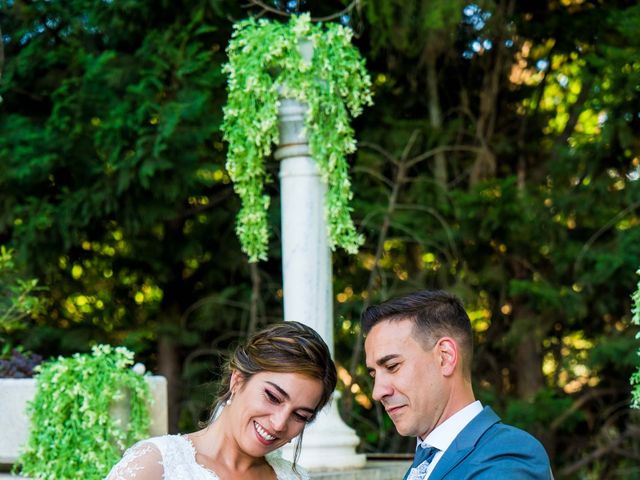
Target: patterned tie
(423, 455)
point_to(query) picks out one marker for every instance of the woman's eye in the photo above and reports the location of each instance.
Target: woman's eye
(271, 397)
(302, 418)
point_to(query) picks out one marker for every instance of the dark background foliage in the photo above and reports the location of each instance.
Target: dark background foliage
(500, 161)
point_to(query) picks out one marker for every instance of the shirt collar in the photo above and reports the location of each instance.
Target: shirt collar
(444, 434)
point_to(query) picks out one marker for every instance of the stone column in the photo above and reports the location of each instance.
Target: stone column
(328, 443)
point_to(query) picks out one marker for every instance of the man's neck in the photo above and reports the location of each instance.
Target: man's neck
(442, 436)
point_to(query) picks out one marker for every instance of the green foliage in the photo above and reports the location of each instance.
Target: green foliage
(635, 378)
(72, 432)
(613, 349)
(113, 192)
(112, 165)
(397, 23)
(17, 299)
(542, 410)
(265, 64)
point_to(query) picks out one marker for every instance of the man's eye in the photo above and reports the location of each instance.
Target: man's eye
(391, 367)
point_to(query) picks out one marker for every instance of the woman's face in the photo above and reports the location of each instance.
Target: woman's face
(271, 408)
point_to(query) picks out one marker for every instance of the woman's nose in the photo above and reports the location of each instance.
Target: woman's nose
(279, 420)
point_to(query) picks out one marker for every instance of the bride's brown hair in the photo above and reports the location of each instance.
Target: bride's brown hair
(288, 347)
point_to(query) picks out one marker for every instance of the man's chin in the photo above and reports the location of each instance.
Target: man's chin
(403, 430)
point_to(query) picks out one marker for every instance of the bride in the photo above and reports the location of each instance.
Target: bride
(274, 385)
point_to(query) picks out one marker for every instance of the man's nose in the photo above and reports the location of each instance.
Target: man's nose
(381, 389)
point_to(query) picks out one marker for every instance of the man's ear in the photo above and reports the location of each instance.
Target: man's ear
(448, 354)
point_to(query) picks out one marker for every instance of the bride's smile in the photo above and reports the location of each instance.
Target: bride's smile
(286, 403)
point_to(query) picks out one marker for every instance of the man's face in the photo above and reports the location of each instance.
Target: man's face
(407, 378)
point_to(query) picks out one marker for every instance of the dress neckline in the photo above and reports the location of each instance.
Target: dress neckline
(208, 471)
(192, 448)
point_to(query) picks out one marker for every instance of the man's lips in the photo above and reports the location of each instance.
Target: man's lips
(392, 410)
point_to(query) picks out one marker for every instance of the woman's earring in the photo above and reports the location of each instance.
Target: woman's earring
(228, 402)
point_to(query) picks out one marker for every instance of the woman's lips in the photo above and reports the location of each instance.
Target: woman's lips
(263, 435)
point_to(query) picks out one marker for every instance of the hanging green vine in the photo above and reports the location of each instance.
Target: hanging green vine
(264, 64)
(635, 318)
(72, 433)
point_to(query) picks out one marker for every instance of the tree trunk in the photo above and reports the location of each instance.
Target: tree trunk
(527, 330)
(169, 366)
(435, 118)
(485, 166)
(256, 300)
(528, 356)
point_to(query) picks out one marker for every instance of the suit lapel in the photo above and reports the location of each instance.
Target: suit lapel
(464, 443)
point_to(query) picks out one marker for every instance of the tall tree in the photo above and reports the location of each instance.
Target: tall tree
(501, 161)
(113, 165)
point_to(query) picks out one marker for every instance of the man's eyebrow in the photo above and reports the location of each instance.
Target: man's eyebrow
(381, 361)
(286, 396)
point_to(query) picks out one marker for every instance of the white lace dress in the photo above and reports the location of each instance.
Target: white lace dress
(173, 457)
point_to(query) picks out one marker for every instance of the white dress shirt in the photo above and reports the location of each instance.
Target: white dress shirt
(444, 434)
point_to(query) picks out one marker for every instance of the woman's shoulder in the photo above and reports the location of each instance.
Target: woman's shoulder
(150, 457)
(159, 444)
(284, 468)
(164, 441)
(142, 460)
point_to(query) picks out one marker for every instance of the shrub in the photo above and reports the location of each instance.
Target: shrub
(19, 364)
(73, 434)
(635, 378)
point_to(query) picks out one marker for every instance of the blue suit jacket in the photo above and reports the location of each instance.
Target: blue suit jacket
(488, 449)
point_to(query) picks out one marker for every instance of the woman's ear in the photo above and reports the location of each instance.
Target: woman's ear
(235, 382)
(447, 349)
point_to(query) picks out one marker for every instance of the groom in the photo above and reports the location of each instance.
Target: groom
(419, 350)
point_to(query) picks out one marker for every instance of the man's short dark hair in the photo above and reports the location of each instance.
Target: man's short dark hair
(435, 314)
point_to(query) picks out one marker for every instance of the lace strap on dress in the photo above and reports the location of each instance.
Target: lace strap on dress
(284, 468)
(141, 460)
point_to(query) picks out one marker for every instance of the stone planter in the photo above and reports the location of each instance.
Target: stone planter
(14, 422)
